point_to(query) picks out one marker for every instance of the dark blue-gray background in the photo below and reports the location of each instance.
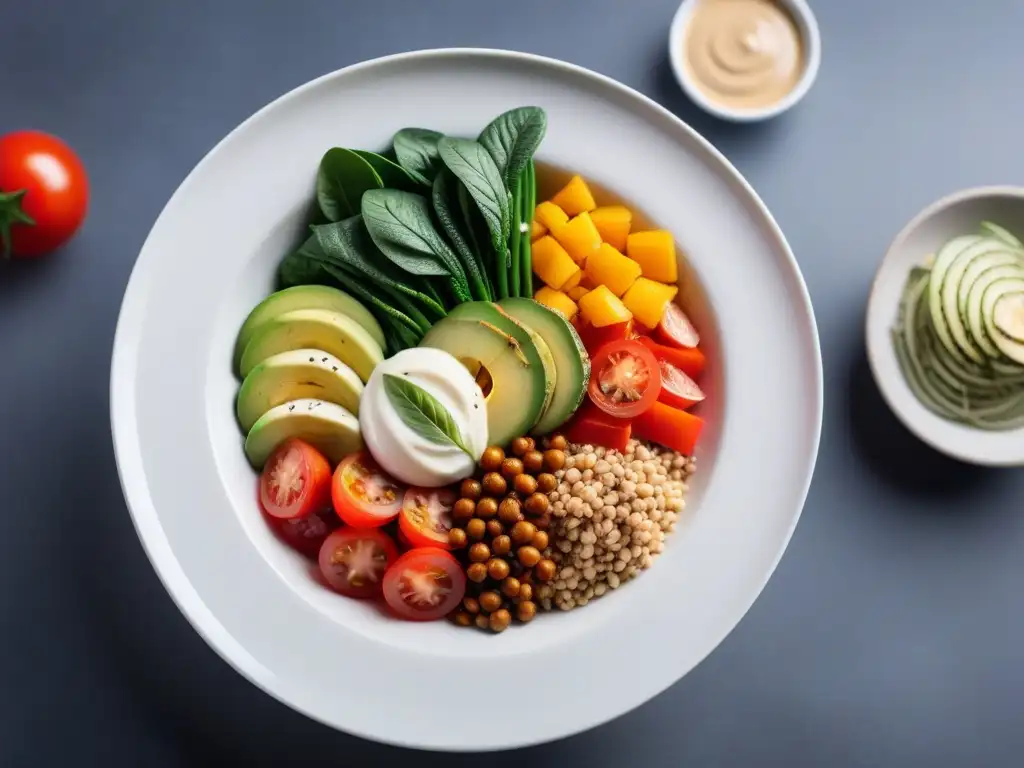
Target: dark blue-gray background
(892, 633)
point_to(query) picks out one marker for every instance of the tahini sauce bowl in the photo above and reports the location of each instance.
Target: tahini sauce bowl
(810, 35)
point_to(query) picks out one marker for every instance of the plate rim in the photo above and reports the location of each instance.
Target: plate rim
(132, 477)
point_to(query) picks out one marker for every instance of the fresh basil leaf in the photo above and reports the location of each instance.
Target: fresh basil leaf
(475, 168)
(512, 138)
(341, 180)
(391, 174)
(423, 413)
(416, 151)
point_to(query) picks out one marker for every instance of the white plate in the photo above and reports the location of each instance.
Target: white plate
(211, 257)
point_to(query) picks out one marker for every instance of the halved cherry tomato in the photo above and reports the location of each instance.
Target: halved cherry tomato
(426, 516)
(595, 338)
(364, 495)
(689, 361)
(678, 389)
(295, 482)
(424, 584)
(624, 379)
(676, 330)
(592, 426)
(306, 534)
(354, 561)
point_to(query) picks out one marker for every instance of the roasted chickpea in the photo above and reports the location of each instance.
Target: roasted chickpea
(526, 610)
(476, 572)
(486, 509)
(510, 510)
(495, 484)
(520, 446)
(543, 522)
(522, 532)
(536, 505)
(528, 556)
(479, 552)
(490, 601)
(475, 529)
(463, 509)
(511, 467)
(500, 620)
(494, 528)
(491, 458)
(510, 587)
(546, 482)
(554, 459)
(533, 462)
(525, 484)
(470, 489)
(462, 618)
(545, 570)
(498, 569)
(540, 540)
(525, 593)
(558, 443)
(471, 604)
(501, 545)
(482, 620)
(457, 538)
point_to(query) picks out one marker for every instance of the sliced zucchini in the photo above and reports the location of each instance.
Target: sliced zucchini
(975, 311)
(943, 259)
(1001, 233)
(1008, 316)
(1012, 349)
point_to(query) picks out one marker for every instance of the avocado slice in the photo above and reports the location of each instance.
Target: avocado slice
(490, 312)
(294, 375)
(324, 329)
(326, 426)
(572, 362)
(306, 297)
(510, 372)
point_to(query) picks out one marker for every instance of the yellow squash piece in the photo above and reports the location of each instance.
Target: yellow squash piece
(550, 216)
(577, 293)
(613, 222)
(557, 301)
(606, 266)
(537, 230)
(648, 299)
(655, 252)
(579, 237)
(575, 197)
(601, 307)
(552, 264)
(572, 282)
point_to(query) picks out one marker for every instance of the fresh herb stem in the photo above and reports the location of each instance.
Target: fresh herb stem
(516, 234)
(526, 266)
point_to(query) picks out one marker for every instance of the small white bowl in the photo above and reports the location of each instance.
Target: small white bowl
(957, 214)
(807, 25)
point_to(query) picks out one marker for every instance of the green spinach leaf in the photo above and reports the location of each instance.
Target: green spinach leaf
(391, 174)
(423, 413)
(445, 204)
(512, 138)
(341, 180)
(416, 151)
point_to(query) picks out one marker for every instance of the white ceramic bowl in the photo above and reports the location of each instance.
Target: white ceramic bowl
(807, 25)
(211, 256)
(957, 214)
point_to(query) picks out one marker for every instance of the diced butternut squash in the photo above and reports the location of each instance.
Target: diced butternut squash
(575, 197)
(578, 236)
(572, 282)
(586, 283)
(613, 222)
(557, 301)
(647, 300)
(550, 216)
(537, 230)
(655, 252)
(552, 264)
(601, 307)
(606, 266)
(577, 293)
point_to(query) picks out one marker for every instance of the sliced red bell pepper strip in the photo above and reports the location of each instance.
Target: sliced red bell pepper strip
(592, 426)
(689, 361)
(670, 427)
(595, 338)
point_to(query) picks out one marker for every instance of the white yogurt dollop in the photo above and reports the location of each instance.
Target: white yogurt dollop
(402, 451)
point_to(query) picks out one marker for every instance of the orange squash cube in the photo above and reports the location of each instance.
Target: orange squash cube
(558, 301)
(579, 237)
(552, 264)
(577, 293)
(655, 252)
(573, 281)
(613, 222)
(537, 230)
(606, 266)
(600, 307)
(647, 300)
(575, 198)
(550, 216)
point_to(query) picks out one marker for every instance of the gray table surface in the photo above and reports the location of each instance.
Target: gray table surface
(892, 633)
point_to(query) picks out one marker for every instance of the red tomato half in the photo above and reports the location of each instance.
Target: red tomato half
(364, 495)
(295, 482)
(426, 516)
(44, 193)
(624, 379)
(424, 584)
(354, 561)
(678, 389)
(676, 330)
(306, 534)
